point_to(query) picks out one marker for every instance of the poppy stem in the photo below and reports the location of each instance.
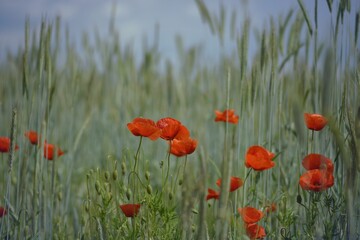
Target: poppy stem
(247, 175)
(137, 175)
(137, 153)
(168, 166)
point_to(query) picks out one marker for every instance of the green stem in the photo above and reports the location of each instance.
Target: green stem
(168, 166)
(137, 154)
(135, 166)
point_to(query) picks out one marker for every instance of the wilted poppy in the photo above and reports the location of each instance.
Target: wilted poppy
(212, 194)
(5, 145)
(144, 127)
(49, 151)
(226, 116)
(33, 137)
(250, 214)
(318, 161)
(235, 183)
(169, 127)
(130, 210)
(183, 147)
(316, 180)
(259, 158)
(315, 122)
(2, 212)
(255, 231)
(271, 208)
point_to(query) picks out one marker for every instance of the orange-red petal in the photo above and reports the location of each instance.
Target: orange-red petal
(255, 231)
(259, 158)
(318, 161)
(315, 121)
(271, 208)
(5, 145)
(144, 127)
(316, 180)
(212, 194)
(49, 151)
(183, 147)
(235, 183)
(169, 128)
(130, 210)
(250, 214)
(33, 137)
(183, 133)
(2, 212)
(226, 116)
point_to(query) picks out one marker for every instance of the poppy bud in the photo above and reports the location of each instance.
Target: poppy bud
(147, 175)
(88, 176)
(161, 163)
(114, 175)
(87, 206)
(97, 187)
(123, 168)
(298, 199)
(194, 211)
(14, 180)
(149, 189)
(180, 182)
(107, 175)
(128, 194)
(193, 228)
(59, 196)
(171, 195)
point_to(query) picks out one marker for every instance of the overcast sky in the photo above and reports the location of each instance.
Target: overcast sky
(137, 18)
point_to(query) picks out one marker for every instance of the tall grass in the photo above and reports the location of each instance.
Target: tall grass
(81, 98)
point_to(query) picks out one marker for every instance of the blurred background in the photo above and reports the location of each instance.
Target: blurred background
(138, 21)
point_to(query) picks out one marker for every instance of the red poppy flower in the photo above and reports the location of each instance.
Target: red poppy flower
(144, 127)
(235, 183)
(212, 194)
(183, 147)
(183, 133)
(130, 210)
(315, 122)
(33, 137)
(226, 116)
(2, 212)
(316, 180)
(49, 151)
(250, 214)
(259, 158)
(255, 231)
(169, 127)
(318, 161)
(5, 145)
